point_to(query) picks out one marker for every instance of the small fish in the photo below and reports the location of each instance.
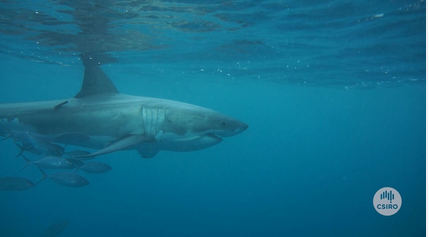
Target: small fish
(78, 154)
(6, 134)
(50, 162)
(16, 137)
(95, 167)
(66, 179)
(21, 137)
(46, 146)
(29, 148)
(15, 184)
(78, 163)
(55, 229)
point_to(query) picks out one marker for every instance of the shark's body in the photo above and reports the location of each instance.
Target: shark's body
(101, 118)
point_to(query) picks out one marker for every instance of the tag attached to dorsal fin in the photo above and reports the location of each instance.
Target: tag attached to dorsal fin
(60, 105)
(95, 82)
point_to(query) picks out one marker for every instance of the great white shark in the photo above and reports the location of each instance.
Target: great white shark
(101, 118)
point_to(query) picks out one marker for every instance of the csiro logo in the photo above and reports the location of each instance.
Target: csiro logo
(387, 201)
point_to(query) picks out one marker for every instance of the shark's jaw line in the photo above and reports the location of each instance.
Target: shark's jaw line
(101, 118)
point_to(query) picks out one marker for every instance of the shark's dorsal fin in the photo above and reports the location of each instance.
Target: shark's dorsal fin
(95, 82)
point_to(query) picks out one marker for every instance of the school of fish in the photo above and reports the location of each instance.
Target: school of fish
(50, 156)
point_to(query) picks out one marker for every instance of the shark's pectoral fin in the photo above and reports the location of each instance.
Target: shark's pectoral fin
(121, 144)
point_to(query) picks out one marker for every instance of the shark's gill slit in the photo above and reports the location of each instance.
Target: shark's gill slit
(153, 118)
(143, 112)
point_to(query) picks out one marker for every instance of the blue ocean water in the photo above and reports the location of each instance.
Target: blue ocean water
(333, 93)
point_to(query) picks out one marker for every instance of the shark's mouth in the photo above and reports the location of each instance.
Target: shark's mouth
(217, 137)
(197, 138)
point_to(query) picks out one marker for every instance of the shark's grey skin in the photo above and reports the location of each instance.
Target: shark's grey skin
(101, 118)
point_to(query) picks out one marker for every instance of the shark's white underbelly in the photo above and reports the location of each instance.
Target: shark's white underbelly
(162, 140)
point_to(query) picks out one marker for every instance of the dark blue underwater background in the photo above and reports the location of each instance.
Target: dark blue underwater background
(333, 93)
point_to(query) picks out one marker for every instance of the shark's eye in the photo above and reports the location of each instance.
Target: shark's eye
(223, 123)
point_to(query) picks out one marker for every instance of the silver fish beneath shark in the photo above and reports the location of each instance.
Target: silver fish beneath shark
(51, 162)
(15, 184)
(55, 229)
(94, 167)
(66, 179)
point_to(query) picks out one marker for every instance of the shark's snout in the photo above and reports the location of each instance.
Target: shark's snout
(233, 128)
(241, 127)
